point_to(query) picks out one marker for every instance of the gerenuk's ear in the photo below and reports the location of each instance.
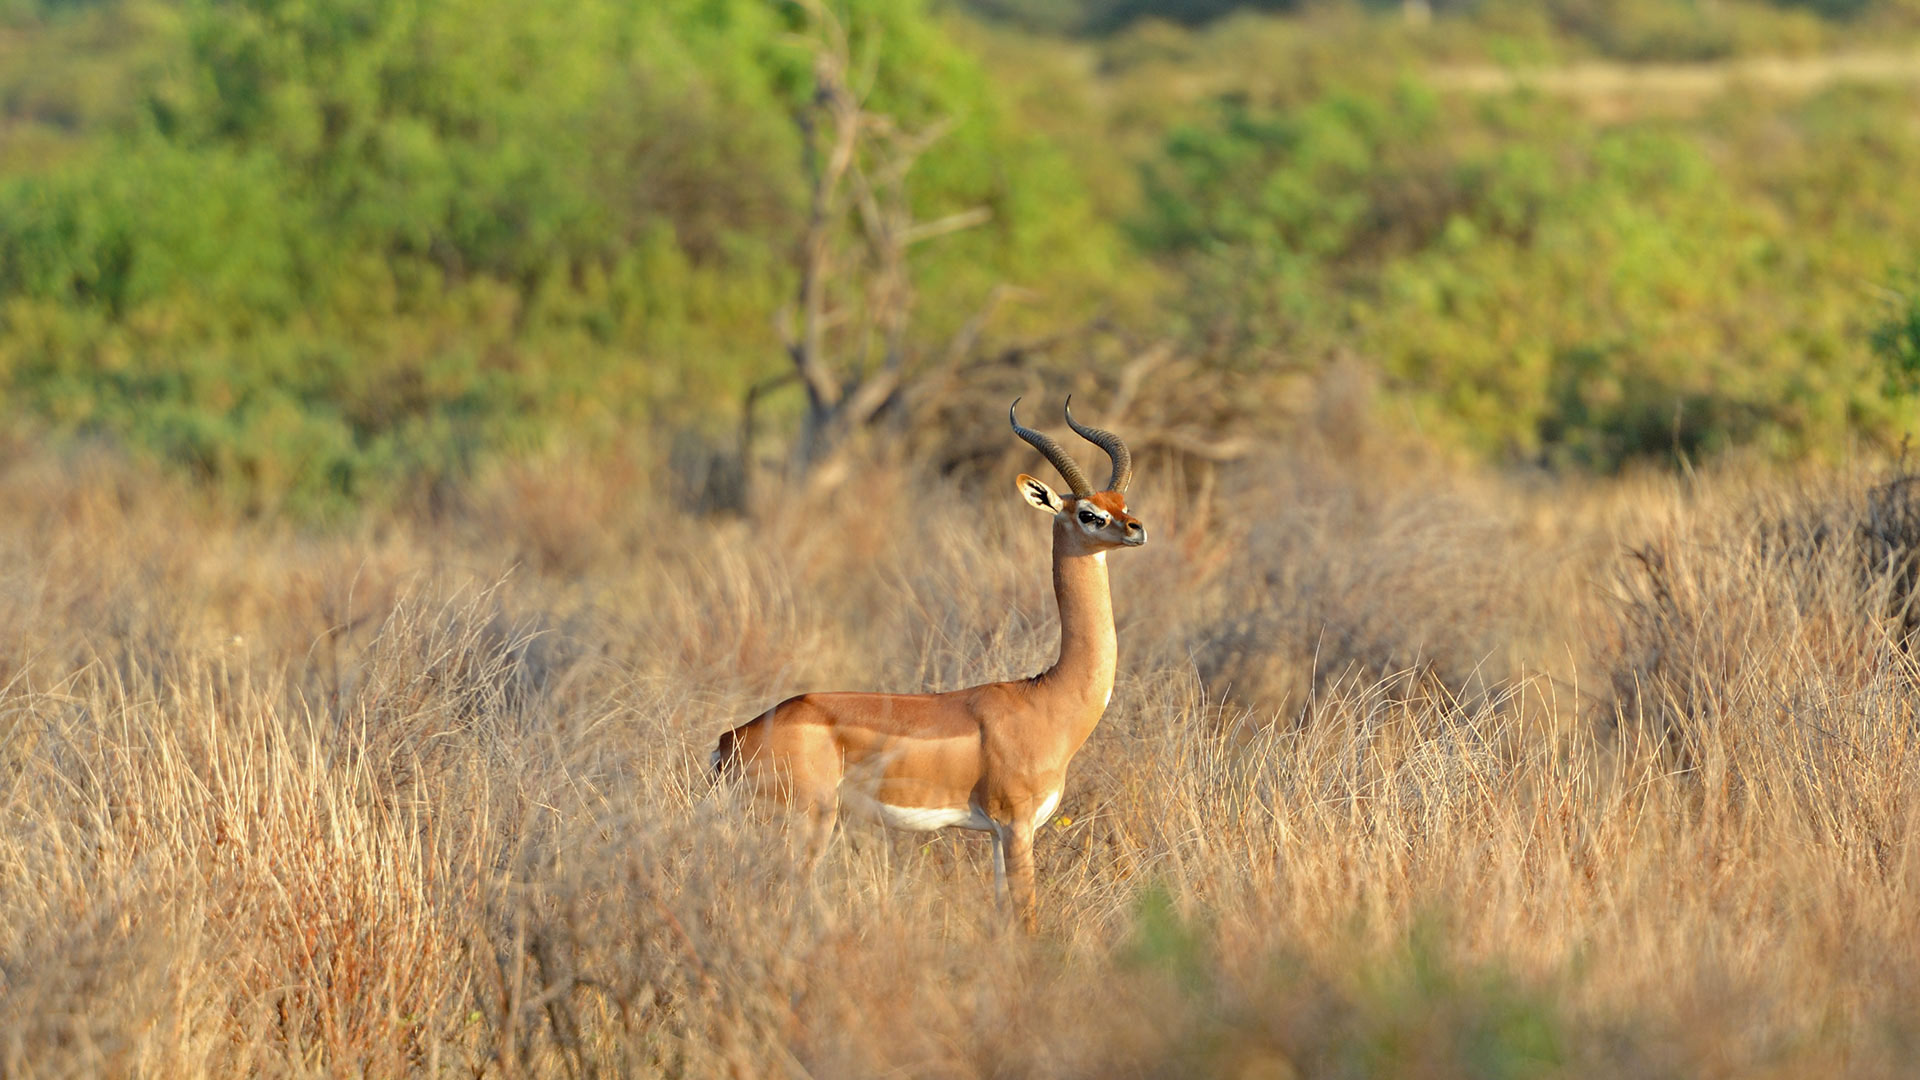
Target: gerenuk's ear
(1038, 495)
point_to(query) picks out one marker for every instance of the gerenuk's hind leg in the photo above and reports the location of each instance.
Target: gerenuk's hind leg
(798, 767)
(814, 772)
(821, 816)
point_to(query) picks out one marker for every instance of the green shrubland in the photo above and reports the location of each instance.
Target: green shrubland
(326, 254)
(321, 250)
(1543, 284)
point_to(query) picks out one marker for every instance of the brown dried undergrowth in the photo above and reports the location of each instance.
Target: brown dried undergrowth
(1408, 773)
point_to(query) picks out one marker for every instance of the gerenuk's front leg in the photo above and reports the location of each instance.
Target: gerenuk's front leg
(1019, 847)
(999, 835)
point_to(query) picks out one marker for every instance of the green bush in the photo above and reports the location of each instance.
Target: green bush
(1896, 340)
(333, 248)
(1409, 1010)
(1544, 285)
(321, 253)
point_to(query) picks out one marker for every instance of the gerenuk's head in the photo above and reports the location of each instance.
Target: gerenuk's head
(1088, 520)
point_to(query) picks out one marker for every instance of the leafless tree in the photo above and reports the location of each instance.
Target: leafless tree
(846, 330)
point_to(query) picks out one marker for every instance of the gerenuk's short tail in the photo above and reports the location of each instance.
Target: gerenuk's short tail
(725, 760)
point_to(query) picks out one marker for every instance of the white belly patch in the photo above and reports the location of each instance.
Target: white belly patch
(913, 818)
(1047, 807)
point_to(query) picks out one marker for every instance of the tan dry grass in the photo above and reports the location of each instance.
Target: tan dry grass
(1407, 774)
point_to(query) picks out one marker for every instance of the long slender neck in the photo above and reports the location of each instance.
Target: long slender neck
(1088, 651)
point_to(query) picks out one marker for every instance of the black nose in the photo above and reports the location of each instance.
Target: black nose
(1134, 526)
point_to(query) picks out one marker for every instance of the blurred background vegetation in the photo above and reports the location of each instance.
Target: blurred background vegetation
(327, 254)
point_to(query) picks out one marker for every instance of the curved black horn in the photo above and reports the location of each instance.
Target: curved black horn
(1062, 461)
(1108, 441)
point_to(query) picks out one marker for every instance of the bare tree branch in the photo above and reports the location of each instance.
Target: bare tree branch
(847, 333)
(965, 219)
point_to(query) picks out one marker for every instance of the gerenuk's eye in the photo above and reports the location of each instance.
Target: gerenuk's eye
(1089, 517)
